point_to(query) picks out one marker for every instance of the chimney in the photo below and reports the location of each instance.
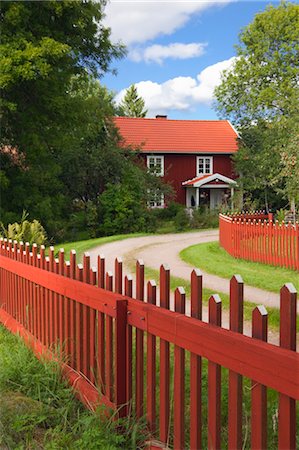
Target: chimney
(161, 117)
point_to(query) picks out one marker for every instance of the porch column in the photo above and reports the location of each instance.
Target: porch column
(197, 197)
(231, 198)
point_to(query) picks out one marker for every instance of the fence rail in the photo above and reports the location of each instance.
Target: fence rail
(140, 358)
(256, 237)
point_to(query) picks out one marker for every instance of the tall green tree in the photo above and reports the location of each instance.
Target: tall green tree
(47, 50)
(260, 95)
(132, 104)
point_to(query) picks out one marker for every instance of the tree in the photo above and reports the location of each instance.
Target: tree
(49, 51)
(260, 95)
(132, 105)
(263, 83)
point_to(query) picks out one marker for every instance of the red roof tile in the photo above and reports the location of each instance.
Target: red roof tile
(178, 136)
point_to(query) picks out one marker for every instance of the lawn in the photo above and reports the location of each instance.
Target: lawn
(211, 258)
(38, 409)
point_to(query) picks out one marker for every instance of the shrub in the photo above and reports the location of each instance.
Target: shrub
(182, 220)
(204, 218)
(32, 232)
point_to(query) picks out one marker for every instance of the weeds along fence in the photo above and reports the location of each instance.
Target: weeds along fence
(197, 384)
(255, 237)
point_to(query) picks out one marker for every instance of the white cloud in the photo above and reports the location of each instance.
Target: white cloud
(137, 21)
(157, 53)
(180, 93)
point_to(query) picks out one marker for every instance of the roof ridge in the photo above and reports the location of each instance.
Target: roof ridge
(170, 120)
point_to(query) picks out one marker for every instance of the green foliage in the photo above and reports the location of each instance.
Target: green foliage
(196, 219)
(132, 105)
(263, 83)
(182, 220)
(260, 95)
(123, 205)
(205, 218)
(32, 232)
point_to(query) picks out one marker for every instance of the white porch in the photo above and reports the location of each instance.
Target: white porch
(211, 190)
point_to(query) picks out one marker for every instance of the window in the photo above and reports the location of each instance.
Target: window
(156, 199)
(204, 165)
(156, 165)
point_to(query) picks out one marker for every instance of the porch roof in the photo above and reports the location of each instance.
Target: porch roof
(210, 179)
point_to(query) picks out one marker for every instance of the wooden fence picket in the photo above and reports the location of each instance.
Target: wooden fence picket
(57, 304)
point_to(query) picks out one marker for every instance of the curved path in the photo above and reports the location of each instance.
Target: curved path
(164, 249)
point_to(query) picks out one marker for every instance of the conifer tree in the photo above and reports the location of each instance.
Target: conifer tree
(132, 105)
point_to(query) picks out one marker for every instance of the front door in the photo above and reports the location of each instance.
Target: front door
(216, 196)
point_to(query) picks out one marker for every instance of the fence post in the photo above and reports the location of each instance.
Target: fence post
(121, 398)
(287, 405)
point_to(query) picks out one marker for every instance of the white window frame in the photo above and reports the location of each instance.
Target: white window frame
(156, 203)
(204, 158)
(154, 158)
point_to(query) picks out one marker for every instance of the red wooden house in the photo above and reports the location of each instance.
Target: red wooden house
(194, 156)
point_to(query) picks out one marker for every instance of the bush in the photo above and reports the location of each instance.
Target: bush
(182, 220)
(32, 232)
(205, 218)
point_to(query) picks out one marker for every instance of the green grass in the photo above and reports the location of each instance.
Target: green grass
(38, 409)
(273, 313)
(88, 244)
(211, 258)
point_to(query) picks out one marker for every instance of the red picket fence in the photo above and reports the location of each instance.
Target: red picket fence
(255, 237)
(143, 359)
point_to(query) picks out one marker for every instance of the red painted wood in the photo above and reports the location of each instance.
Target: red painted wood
(253, 238)
(139, 343)
(78, 324)
(101, 330)
(92, 327)
(56, 311)
(118, 275)
(196, 367)
(121, 398)
(51, 298)
(66, 315)
(214, 383)
(87, 295)
(101, 271)
(129, 375)
(72, 327)
(258, 391)
(151, 365)
(85, 320)
(61, 301)
(164, 359)
(287, 405)
(109, 344)
(179, 378)
(235, 380)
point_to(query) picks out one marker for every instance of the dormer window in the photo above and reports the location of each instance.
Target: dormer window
(204, 165)
(156, 165)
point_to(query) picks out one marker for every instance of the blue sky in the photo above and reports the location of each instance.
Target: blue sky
(176, 51)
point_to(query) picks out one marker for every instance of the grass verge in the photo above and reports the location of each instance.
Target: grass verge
(38, 409)
(211, 258)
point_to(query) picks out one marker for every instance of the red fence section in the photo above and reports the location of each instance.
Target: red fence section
(143, 359)
(256, 238)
